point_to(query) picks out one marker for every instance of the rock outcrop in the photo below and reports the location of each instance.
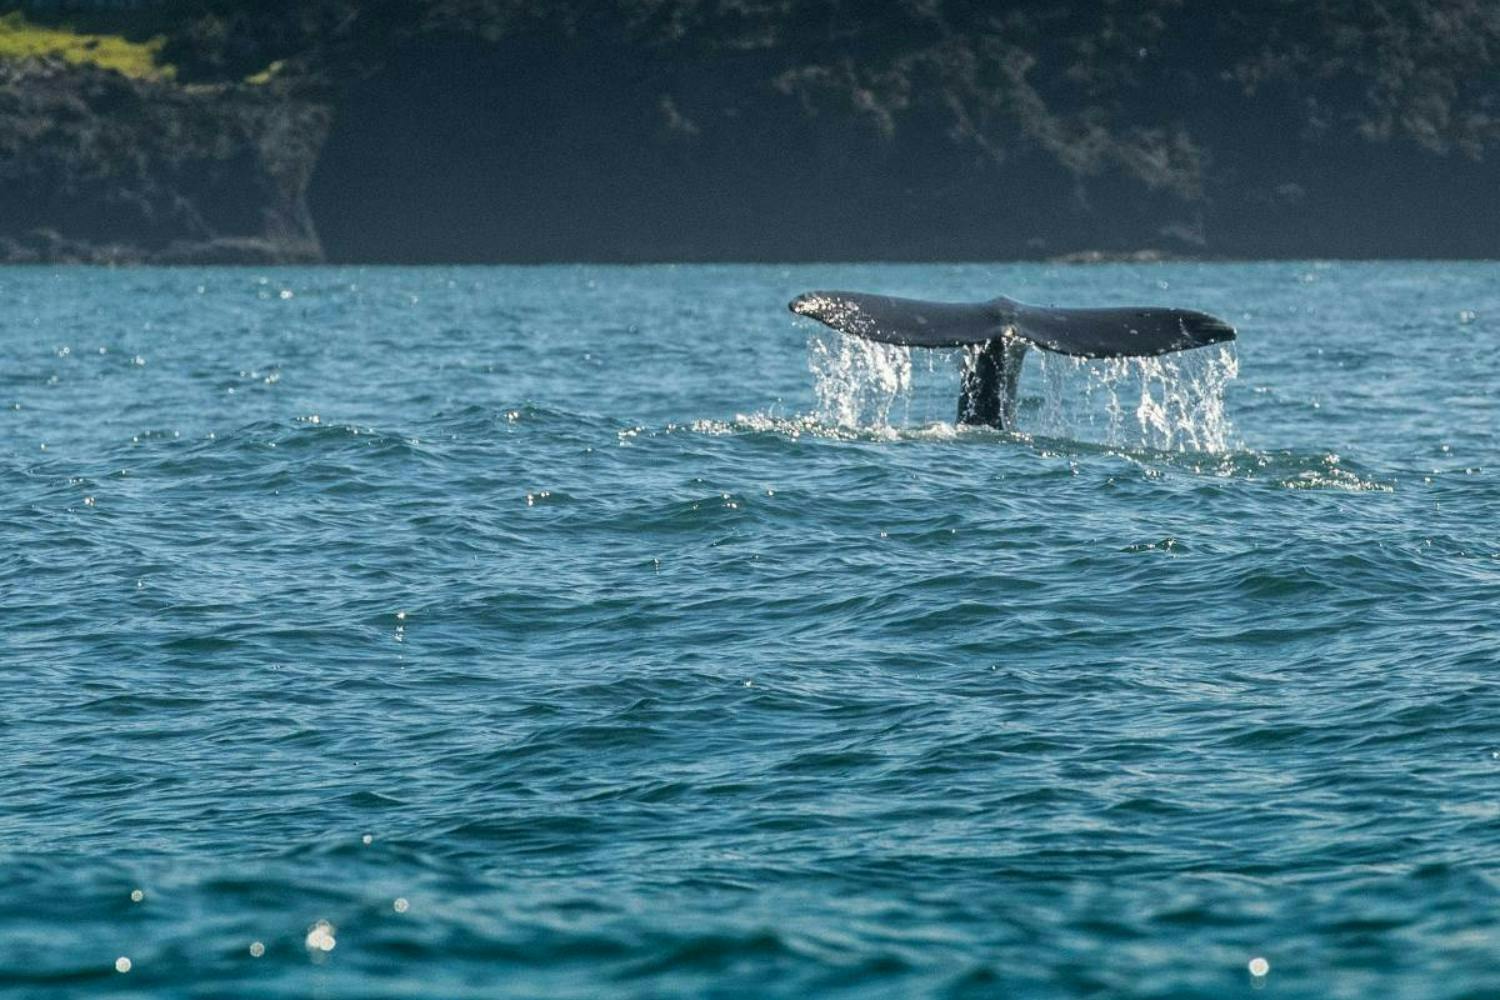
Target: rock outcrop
(97, 167)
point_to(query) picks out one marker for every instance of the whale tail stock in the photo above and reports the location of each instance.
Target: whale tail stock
(1005, 328)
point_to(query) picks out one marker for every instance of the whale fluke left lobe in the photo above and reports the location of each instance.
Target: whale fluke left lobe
(908, 322)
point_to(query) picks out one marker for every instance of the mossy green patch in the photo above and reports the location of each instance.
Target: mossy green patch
(266, 75)
(20, 39)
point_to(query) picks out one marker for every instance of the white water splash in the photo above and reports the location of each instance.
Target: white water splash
(814, 426)
(857, 381)
(1174, 402)
(1170, 403)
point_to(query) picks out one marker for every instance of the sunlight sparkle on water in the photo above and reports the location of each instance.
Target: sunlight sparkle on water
(320, 937)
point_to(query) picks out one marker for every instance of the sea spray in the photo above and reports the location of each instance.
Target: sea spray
(1174, 402)
(859, 382)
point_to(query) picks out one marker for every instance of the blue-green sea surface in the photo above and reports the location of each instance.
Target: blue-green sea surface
(587, 631)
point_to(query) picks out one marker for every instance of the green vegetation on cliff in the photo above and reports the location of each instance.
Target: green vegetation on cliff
(106, 157)
(21, 39)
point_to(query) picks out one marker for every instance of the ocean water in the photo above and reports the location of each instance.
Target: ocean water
(589, 631)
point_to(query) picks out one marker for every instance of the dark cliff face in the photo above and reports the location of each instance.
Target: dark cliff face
(478, 130)
(548, 148)
(96, 167)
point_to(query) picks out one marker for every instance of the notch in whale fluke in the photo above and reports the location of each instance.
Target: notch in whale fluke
(1116, 332)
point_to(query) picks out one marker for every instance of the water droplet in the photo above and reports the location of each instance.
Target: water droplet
(320, 937)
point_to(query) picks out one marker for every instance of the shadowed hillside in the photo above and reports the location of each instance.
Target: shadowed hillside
(474, 130)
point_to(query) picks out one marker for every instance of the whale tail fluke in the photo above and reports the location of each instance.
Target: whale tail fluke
(1117, 332)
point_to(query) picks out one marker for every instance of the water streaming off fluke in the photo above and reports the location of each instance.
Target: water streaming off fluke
(1172, 402)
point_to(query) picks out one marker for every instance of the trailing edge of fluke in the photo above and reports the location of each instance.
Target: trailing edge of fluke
(1005, 328)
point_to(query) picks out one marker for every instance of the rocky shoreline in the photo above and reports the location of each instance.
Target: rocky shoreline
(99, 168)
